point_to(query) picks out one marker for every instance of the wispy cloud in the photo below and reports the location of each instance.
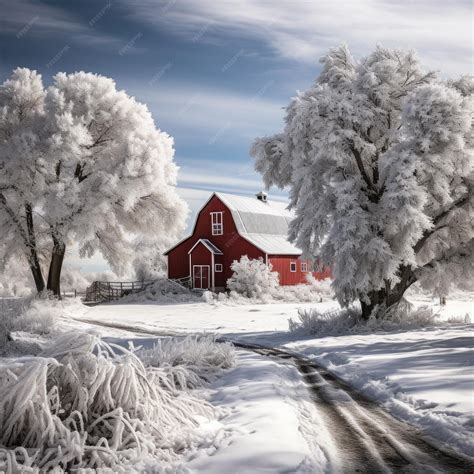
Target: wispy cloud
(24, 18)
(303, 30)
(210, 175)
(217, 115)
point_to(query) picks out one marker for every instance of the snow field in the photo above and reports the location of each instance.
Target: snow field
(421, 374)
(276, 426)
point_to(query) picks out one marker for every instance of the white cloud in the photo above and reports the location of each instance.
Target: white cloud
(304, 30)
(216, 115)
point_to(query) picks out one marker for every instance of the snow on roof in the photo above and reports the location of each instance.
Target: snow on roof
(257, 217)
(209, 245)
(272, 244)
(264, 224)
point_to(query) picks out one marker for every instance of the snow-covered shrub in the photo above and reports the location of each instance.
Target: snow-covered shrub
(84, 404)
(190, 361)
(252, 278)
(349, 321)
(37, 316)
(40, 317)
(254, 282)
(312, 321)
(466, 319)
(164, 291)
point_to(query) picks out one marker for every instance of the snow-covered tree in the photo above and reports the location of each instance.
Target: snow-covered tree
(378, 158)
(252, 277)
(149, 262)
(81, 162)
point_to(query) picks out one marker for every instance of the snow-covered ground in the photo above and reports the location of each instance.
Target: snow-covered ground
(274, 423)
(422, 376)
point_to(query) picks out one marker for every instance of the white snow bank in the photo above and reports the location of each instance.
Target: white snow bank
(85, 404)
(163, 291)
(278, 424)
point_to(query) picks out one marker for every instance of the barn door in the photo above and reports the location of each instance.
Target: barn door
(201, 276)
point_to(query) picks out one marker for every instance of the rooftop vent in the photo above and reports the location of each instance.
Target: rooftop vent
(262, 196)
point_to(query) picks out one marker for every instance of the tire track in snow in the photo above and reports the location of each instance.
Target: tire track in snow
(368, 439)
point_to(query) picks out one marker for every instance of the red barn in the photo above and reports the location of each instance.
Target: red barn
(229, 226)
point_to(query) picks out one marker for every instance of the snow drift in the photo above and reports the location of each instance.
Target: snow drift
(164, 291)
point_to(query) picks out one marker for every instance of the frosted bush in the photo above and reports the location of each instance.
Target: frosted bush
(349, 321)
(85, 404)
(37, 316)
(189, 362)
(252, 278)
(312, 321)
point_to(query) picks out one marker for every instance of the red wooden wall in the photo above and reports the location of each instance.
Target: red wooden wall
(231, 244)
(281, 264)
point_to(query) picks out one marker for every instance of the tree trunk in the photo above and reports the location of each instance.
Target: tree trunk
(55, 266)
(33, 259)
(374, 299)
(388, 297)
(36, 271)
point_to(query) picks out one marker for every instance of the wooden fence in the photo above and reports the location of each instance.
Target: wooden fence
(113, 290)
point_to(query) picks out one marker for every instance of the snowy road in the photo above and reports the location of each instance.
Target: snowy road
(367, 439)
(364, 438)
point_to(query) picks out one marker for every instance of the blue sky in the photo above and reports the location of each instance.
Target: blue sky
(217, 74)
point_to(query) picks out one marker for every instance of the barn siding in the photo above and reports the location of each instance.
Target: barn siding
(230, 243)
(281, 264)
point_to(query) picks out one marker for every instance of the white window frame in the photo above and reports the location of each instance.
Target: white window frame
(293, 267)
(304, 267)
(217, 223)
(218, 268)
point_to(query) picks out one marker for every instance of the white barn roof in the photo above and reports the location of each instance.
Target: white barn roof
(264, 224)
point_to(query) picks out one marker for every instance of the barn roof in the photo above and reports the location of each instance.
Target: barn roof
(264, 224)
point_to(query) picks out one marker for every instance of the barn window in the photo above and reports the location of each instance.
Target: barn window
(304, 267)
(218, 267)
(217, 224)
(292, 266)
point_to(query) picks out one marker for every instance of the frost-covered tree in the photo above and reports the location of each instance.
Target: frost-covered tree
(378, 158)
(149, 262)
(80, 162)
(252, 277)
